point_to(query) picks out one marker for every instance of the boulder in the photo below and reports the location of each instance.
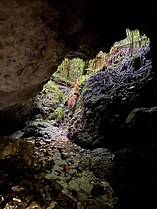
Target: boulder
(106, 100)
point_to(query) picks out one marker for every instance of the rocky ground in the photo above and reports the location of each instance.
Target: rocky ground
(53, 172)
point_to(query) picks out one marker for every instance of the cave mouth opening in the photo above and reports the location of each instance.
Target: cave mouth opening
(75, 70)
(116, 68)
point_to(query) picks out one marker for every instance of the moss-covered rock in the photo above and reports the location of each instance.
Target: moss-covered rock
(69, 71)
(109, 95)
(49, 101)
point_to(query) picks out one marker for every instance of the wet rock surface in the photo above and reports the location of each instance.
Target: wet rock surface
(50, 171)
(57, 175)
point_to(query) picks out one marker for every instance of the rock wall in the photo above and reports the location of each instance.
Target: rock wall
(36, 35)
(30, 50)
(108, 97)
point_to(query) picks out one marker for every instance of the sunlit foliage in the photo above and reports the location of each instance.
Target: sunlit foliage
(69, 70)
(76, 71)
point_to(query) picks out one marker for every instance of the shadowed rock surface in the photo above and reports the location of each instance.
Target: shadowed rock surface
(35, 37)
(30, 50)
(106, 100)
(116, 118)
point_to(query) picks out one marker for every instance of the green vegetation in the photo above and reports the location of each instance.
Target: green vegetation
(72, 73)
(49, 101)
(56, 115)
(69, 71)
(51, 92)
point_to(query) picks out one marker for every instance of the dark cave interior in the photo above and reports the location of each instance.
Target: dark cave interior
(88, 27)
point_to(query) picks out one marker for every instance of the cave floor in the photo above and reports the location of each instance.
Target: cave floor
(53, 179)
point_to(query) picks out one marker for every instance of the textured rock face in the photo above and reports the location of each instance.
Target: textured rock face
(107, 99)
(30, 50)
(33, 35)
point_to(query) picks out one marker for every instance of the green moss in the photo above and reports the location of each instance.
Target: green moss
(52, 92)
(56, 115)
(69, 70)
(49, 101)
